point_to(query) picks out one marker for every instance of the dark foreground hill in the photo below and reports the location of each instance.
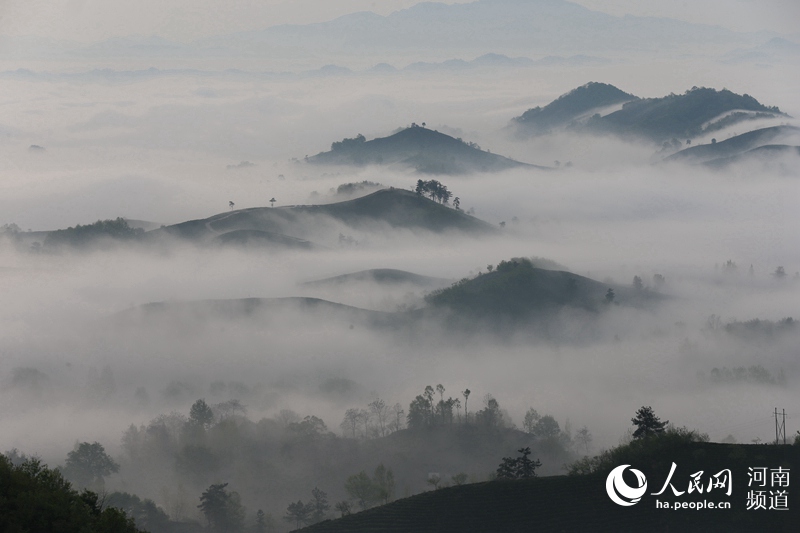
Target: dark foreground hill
(424, 150)
(295, 226)
(736, 145)
(676, 116)
(580, 503)
(569, 107)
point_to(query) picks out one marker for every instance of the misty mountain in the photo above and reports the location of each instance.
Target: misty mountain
(569, 107)
(426, 151)
(384, 276)
(698, 111)
(737, 145)
(516, 294)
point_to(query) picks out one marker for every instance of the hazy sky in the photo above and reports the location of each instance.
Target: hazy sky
(89, 20)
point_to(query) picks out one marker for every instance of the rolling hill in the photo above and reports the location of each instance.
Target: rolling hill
(300, 226)
(517, 290)
(698, 111)
(684, 116)
(569, 107)
(738, 145)
(426, 151)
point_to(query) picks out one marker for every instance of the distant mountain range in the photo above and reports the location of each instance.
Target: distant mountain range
(417, 147)
(696, 112)
(512, 27)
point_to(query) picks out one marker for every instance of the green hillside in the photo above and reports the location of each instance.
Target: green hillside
(424, 150)
(570, 106)
(681, 116)
(392, 208)
(579, 503)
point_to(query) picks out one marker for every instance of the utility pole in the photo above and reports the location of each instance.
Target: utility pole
(780, 427)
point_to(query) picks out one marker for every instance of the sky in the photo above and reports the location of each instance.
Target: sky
(185, 20)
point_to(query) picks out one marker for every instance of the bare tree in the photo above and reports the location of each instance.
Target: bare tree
(584, 438)
(397, 413)
(364, 418)
(381, 412)
(350, 422)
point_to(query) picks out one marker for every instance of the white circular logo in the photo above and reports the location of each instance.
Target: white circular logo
(619, 491)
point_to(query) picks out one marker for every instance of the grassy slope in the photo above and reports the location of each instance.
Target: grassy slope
(423, 149)
(580, 503)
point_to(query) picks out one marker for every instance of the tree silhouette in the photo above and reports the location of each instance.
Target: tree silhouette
(88, 464)
(299, 513)
(222, 509)
(361, 489)
(272, 201)
(518, 468)
(318, 505)
(647, 423)
(609, 296)
(231, 204)
(584, 438)
(201, 414)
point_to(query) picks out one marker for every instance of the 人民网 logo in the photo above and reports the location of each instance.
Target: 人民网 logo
(620, 492)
